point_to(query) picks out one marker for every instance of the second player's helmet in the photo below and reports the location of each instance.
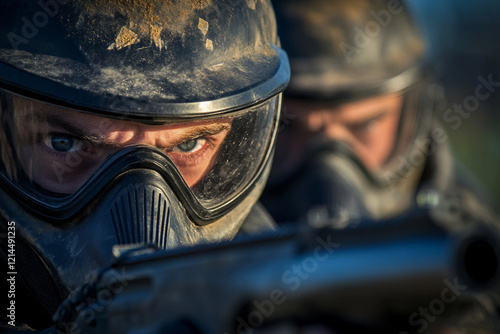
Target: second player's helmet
(349, 50)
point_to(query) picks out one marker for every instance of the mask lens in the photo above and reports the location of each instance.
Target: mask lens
(55, 151)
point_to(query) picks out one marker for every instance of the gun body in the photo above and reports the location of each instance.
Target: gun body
(376, 276)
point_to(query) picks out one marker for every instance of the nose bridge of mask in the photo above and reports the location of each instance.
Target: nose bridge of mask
(344, 181)
(380, 200)
(140, 209)
(337, 193)
(324, 187)
(135, 210)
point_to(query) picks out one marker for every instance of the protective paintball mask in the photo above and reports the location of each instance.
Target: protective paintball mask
(325, 180)
(77, 190)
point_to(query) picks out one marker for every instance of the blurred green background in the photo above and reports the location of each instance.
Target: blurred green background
(476, 144)
(464, 43)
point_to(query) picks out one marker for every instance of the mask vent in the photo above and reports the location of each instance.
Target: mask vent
(141, 215)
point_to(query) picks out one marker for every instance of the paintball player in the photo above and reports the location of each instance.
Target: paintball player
(359, 133)
(125, 123)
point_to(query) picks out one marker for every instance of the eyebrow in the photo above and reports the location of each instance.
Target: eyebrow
(200, 131)
(74, 130)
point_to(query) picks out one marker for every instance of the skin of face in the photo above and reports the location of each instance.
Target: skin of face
(59, 149)
(369, 126)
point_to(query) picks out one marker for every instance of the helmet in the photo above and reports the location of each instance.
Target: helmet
(133, 122)
(341, 51)
(347, 56)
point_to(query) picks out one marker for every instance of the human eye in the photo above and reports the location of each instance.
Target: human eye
(191, 146)
(192, 152)
(62, 143)
(193, 157)
(367, 125)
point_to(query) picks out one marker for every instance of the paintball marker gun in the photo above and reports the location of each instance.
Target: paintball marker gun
(401, 275)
